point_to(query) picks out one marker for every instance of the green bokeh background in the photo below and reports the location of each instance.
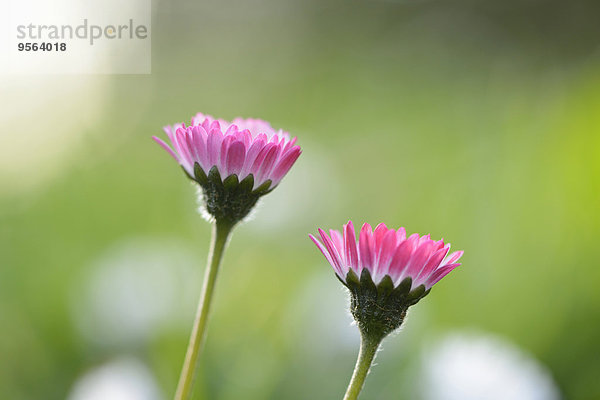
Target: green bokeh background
(474, 121)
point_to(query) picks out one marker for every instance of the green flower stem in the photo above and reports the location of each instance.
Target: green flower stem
(368, 349)
(220, 234)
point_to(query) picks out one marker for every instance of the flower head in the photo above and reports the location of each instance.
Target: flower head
(385, 270)
(387, 252)
(235, 162)
(242, 147)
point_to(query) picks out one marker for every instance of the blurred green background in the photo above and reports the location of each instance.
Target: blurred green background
(474, 121)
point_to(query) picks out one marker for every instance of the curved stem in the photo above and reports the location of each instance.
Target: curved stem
(221, 232)
(368, 349)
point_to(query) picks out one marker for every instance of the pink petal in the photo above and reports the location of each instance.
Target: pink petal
(198, 119)
(245, 137)
(418, 259)
(166, 147)
(401, 259)
(424, 238)
(386, 252)
(251, 157)
(439, 244)
(182, 148)
(200, 136)
(170, 130)
(213, 145)
(235, 157)
(274, 139)
(433, 262)
(215, 125)
(335, 257)
(401, 234)
(338, 242)
(327, 256)
(284, 164)
(366, 247)
(176, 144)
(232, 130)
(206, 124)
(288, 145)
(414, 236)
(189, 142)
(439, 274)
(222, 162)
(267, 165)
(259, 160)
(350, 242)
(452, 258)
(379, 234)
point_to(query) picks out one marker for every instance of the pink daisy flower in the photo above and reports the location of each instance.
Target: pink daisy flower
(389, 253)
(242, 147)
(235, 163)
(386, 273)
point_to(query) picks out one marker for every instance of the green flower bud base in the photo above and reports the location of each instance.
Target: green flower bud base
(228, 200)
(380, 309)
